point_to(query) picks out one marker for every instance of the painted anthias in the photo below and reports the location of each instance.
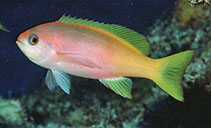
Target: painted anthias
(107, 52)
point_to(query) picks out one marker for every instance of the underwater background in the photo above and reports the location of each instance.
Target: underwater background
(171, 26)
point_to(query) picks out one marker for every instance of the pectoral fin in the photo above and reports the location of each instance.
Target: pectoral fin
(121, 86)
(56, 78)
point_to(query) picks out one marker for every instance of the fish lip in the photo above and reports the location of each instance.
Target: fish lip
(18, 41)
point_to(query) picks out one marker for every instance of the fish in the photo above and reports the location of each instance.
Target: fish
(111, 53)
(3, 28)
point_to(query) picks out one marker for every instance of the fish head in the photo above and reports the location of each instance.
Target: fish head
(34, 43)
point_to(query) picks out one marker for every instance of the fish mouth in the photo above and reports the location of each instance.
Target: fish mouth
(18, 42)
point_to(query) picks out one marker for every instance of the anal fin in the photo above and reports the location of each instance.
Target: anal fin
(122, 86)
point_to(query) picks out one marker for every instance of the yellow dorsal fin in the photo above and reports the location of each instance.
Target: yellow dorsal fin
(135, 39)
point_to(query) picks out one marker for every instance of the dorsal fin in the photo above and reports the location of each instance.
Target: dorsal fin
(135, 39)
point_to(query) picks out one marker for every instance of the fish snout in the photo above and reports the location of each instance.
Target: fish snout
(18, 42)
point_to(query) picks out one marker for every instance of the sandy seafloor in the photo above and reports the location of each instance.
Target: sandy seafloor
(90, 104)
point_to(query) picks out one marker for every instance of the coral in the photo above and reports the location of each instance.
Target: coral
(89, 106)
(188, 15)
(200, 68)
(12, 112)
(168, 39)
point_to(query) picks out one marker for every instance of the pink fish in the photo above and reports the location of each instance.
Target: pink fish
(107, 52)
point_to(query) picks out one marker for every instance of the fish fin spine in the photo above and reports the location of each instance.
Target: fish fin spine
(133, 38)
(170, 73)
(121, 86)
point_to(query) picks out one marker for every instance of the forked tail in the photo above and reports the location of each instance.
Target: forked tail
(171, 71)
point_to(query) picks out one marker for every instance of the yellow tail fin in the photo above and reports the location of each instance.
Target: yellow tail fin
(171, 71)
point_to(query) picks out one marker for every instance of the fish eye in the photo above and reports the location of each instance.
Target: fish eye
(33, 39)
